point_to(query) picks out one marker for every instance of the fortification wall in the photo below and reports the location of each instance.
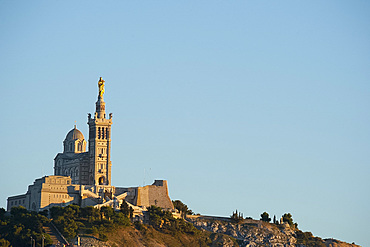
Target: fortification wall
(155, 194)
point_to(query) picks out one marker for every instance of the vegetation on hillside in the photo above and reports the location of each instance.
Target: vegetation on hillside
(17, 228)
(72, 220)
(307, 239)
(265, 217)
(237, 217)
(182, 208)
(289, 219)
(22, 225)
(165, 222)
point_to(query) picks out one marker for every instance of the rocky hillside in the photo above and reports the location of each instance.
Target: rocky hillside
(108, 228)
(248, 233)
(148, 236)
(252, 233)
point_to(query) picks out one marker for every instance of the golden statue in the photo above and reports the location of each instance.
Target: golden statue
(101, 87)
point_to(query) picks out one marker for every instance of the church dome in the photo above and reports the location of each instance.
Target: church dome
(74, 134)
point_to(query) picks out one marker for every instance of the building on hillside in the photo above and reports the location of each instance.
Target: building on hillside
(84, 177)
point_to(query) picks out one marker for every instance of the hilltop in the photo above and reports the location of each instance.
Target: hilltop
(108, 228)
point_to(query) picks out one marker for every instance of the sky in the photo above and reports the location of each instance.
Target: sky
(248, 105)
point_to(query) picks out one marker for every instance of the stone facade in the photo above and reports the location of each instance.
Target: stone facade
(94, 166)
(99, 145)
(47, 192)
(84, 177)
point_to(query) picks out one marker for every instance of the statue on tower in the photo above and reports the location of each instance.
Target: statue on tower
(101, 87)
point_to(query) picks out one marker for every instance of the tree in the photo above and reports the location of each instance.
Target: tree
(182, 207)
(237, 217)
(120, 219)
(127, 210)
(155, 216)
(2, 213)
(287, 217)
(66, 226)
(107, 212)
(56, 211)
(164, 221)
(90, 213)
(17, 229)
(274, 219)
(265, 217)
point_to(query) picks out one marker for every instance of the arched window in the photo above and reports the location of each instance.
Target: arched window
(99, 132)
(101, 181)
(102, 135)
(70, 147)
(106, 133)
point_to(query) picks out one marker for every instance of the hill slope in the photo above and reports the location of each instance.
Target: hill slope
(148, 236)
(258, 233)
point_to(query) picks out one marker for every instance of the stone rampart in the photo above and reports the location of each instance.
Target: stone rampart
(155, 194)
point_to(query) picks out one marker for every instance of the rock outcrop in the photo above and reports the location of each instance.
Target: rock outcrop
(251, 233)
(336, 243)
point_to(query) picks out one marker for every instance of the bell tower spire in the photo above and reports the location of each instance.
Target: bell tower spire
(100, 142)
(100, 104)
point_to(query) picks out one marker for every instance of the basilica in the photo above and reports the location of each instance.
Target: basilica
(83, 177)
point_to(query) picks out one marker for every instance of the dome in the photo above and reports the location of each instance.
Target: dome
(74, 134)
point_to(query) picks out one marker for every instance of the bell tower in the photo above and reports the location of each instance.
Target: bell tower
(100, 142)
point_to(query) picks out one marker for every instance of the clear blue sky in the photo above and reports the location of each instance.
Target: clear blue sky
(249, 105)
